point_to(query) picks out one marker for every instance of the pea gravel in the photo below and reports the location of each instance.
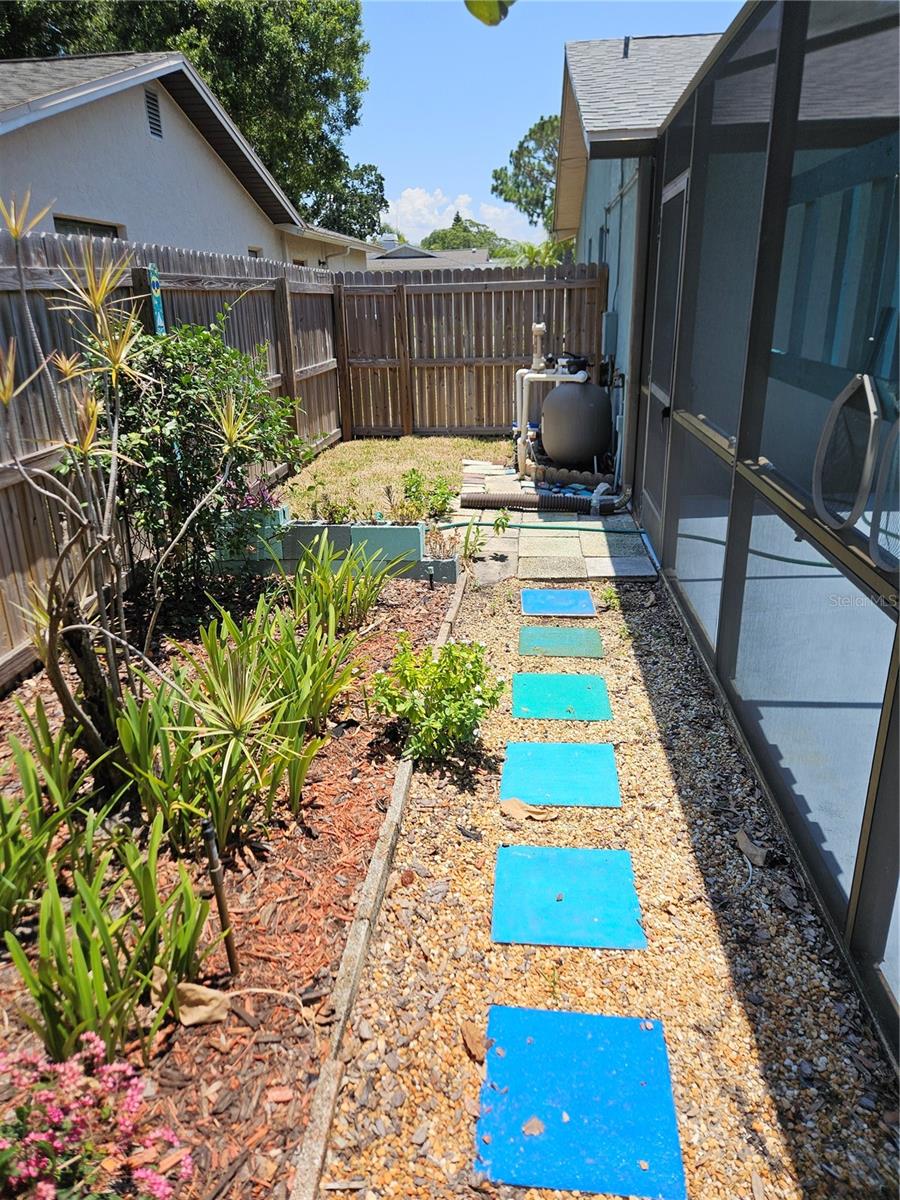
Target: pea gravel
(781, 1088)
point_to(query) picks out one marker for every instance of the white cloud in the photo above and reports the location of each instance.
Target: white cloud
(416, 211)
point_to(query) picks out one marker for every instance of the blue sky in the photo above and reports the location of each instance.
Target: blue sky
(449, 98)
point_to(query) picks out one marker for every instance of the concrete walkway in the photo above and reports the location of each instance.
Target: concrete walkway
(551, 546)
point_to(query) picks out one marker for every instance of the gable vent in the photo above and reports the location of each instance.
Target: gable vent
(154, 117)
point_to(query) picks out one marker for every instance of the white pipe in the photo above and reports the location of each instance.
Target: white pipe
(538, 330)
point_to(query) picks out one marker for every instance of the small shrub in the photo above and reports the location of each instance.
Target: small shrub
(174, 453)
(501, 522)
(473, 542)
(432, 498)
(441, 700)
(73, 1130)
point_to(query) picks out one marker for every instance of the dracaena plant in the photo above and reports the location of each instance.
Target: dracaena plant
(78, 612)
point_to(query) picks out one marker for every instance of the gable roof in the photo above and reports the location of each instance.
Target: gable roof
(617, 92)
(625, 88)
(32, 89)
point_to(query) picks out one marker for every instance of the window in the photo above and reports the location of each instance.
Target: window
(728, 169)
(825, 430)
(154, 116)
(90, 228)
(701, 493)
(812, 663)
(299, 262)
(254, 251)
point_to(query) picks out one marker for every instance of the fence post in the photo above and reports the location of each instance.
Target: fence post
(140, 291)
(284, 331)
(401, 324)
(343, 367)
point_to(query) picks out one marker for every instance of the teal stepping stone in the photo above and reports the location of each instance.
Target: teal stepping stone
(561, 773)
(557, 602)
(563, 896)
(555, 642)
(560, 697)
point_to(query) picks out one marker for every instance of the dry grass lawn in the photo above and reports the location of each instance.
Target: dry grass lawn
(361, 471)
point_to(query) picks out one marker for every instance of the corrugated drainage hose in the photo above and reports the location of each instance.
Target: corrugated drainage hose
(519, 501)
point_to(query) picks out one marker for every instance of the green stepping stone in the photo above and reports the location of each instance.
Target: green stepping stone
(560, 697)
(555, 642)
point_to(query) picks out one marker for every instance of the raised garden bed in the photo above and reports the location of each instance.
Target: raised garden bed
(384, 540)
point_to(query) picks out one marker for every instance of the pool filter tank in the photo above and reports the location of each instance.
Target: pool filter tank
(576, 418)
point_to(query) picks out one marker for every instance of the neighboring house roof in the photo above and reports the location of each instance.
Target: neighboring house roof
(407, 257)
(32, 89)
(616, 95)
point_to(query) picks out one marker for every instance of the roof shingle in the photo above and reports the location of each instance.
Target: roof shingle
(25, 79)
(634, 92)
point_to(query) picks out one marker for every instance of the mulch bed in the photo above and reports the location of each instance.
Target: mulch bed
(238, 1092)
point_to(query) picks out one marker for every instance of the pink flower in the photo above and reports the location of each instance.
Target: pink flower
(153, 1183)
(186, 1167)
(45, 1191)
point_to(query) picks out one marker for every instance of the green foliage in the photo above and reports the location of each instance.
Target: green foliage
(440, 700)
(159, 757)
(473, 542)
(329, 509)
(466, 234)
(337, 592)
(610, 597)
(529, 182)
(434, 498)
(180, 447)
(543, 254)
(501, 522)
(288, 72)
(25, 837)
(490, 12)
(99, 957)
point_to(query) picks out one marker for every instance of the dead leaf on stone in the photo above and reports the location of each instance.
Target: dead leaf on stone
(533, 1126)
(566, 1118)
(645, 1166)
(757, 1187)
(280, 1095)
(517, 811)
(755, 854)
(473, 1040)
(199, 1005)
(407, 877)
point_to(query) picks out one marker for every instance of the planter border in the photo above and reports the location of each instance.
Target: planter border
(310, 1158)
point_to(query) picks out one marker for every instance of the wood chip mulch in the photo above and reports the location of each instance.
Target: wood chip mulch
(238, 1092)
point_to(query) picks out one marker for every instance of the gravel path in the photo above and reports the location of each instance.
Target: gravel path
(781, 1088)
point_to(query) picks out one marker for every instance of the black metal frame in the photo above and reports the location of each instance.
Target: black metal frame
(861, 931)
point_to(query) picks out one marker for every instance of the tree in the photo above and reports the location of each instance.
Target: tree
(529, 182)
(542, 254)
(466, 234)
(402, 239)
(289, 73)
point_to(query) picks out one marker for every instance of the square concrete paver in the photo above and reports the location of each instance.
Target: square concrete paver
(545, 545)
(621, 567)
(618, 522)
(545, 518)
(501, 483)
(552, 568)
(607, 545)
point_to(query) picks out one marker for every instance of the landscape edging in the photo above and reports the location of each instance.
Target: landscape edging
(310, 1157)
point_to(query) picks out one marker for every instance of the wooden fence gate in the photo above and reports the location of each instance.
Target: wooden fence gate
(433, 352)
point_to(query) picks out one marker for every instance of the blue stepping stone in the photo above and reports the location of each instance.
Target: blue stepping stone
(556, 642)
(563, 773)
(560, 697)
(595, 1097)
(554, 896)
(557, 602)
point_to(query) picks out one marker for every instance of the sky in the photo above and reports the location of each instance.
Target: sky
(449, 98)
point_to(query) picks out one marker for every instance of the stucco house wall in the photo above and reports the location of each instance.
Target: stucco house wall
(100, 162)
(606, 233)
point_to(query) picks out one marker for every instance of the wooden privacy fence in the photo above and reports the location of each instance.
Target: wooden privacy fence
(362, 354)
(437, 351)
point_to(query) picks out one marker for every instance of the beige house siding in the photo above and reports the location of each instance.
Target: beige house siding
(100, 162)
